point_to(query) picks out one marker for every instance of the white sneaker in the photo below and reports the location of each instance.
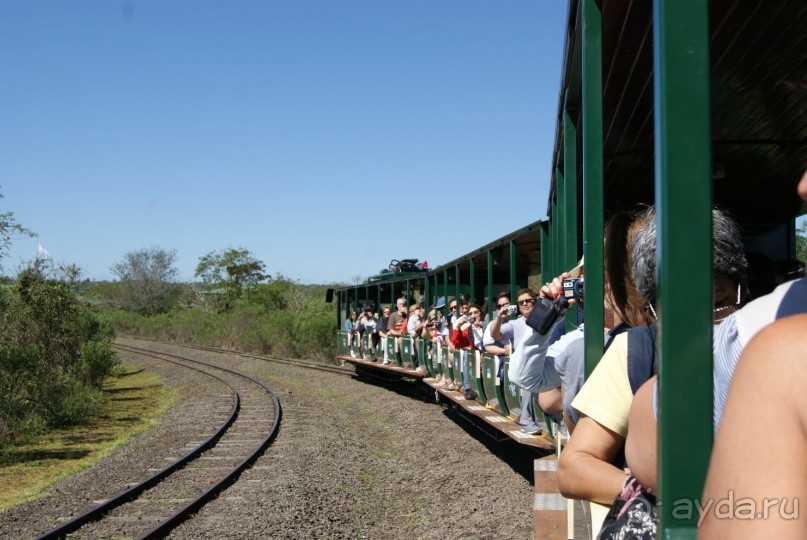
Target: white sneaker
(352, 354)
(385, 363)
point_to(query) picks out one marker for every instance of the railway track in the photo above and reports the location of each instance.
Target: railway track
(288, 361)
(248, 417)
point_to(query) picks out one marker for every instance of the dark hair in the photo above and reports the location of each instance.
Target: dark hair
(526, 291)
(503, 294)
(624, 298)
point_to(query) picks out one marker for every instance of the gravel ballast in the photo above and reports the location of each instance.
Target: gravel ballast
(352, 460)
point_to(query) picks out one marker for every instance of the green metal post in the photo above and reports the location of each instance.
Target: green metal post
(570, 206)
(408, 296)
(569, 192)
(557, 222)
(457, 285)
(427, 294)
(339, 311)
(445, 287)
(512, 255)
(684, 254)
(491, 293)
(593, 193)
(472, 290)
(560, 250)
(545, 250)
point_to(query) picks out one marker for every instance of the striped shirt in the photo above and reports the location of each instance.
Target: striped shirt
(731, 337)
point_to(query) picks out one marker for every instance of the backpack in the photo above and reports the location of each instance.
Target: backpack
(633, 514)
(641, 355)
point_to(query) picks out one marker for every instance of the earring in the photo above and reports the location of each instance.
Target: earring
(739, 294)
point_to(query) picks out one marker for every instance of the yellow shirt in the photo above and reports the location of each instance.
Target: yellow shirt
(606, 396)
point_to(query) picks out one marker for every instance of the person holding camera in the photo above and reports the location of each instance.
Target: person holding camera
(368, 324)
(442, 337)
(382, 329)
(397, 326)
(463, 337)
(466, 325)
(510, 332)
(414, 328)
(499, 348)
(350, 328)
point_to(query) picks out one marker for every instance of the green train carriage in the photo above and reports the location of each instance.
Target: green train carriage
(683, 105)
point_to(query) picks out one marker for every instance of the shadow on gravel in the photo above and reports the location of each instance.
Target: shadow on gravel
(519, 457)
(404, 386)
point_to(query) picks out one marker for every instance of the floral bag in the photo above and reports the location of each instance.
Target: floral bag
(633, 514)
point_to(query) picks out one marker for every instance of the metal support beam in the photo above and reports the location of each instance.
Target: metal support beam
(684, 253)
(569, 241)
(513, 262)
(491, 293)
(593, 201)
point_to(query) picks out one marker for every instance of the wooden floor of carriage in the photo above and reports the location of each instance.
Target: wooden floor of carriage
(551, 516)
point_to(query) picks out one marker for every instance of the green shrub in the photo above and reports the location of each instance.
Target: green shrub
(97, 361)
(54, 357)
(281, 318)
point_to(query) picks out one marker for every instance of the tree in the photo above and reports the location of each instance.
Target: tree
(147, 280)
(232, 270)
(8, 228)
(801, 243)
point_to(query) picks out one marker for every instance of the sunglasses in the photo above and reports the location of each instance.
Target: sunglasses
(502, 305)
(526, 302)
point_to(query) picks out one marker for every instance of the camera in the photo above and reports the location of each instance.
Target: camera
(545, 313)
(573, 289)
(512, 309)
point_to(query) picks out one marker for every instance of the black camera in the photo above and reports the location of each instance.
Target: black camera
(546, 312)
(573, 289)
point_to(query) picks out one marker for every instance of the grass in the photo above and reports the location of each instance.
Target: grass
(136, 400)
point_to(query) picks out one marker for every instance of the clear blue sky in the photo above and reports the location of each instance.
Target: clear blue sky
(325, 136)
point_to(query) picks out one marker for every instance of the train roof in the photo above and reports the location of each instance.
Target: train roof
(526, 242)
(758, 105)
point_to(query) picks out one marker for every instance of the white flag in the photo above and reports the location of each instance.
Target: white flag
(41, 251)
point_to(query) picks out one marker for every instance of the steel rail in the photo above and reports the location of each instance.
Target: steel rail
(287, 361)
(163, 528)
(98, 511)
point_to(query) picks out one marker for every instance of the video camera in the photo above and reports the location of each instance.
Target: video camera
(545, 312)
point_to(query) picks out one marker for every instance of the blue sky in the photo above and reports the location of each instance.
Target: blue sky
(325, 136)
